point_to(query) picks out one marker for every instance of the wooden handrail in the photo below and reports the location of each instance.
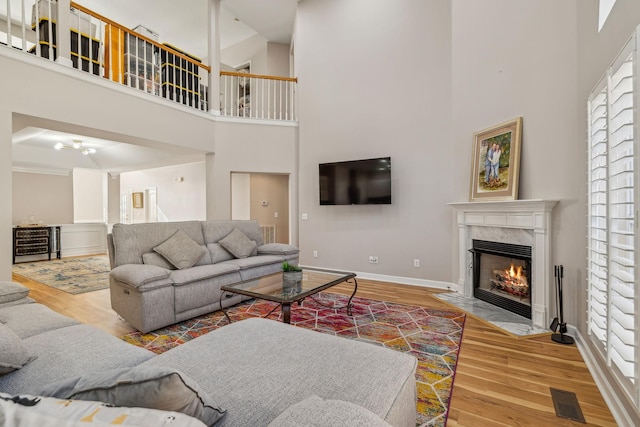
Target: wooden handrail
(258, 76)
(140, 36)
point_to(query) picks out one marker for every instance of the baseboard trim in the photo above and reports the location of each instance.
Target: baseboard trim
(610, 391)
(399, 279)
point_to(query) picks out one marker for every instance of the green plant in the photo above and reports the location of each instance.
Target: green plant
(290, 267)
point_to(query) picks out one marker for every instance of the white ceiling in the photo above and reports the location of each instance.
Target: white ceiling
(184, 27)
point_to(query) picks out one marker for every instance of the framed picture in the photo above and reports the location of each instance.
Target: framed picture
(138, 200)
(496, 162)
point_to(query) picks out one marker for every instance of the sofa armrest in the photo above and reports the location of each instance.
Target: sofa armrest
(277, 249)
(141, 276)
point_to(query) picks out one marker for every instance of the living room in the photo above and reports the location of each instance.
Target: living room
(477, 64)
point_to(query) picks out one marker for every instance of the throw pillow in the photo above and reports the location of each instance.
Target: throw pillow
(27, 410)
(317, 412)
(181, 250)
(12, 291)
(238, 244)
(141, 386)
(13, 353)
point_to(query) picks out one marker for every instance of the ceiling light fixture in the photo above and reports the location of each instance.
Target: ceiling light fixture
(77, 145)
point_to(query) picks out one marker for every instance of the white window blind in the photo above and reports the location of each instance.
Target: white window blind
(613, 315)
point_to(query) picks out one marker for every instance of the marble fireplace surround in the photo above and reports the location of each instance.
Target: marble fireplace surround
(522, 222)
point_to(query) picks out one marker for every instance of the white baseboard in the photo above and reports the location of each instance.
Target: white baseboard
(399, 279)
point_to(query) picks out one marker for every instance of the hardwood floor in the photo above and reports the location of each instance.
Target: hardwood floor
(501, 380)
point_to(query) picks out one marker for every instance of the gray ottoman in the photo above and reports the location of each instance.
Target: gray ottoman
(257, 368)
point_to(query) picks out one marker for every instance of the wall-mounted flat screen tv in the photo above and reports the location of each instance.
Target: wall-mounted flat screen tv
(356, 182)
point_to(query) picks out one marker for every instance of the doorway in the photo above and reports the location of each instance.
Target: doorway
(263, 197)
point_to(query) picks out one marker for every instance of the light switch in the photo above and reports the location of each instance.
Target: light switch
(275, 214)
(305, 216)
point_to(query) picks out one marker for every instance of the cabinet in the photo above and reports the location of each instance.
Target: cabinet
(133, 58)
(180, 78)
(36, 241)
(141, 65)
(84, 54)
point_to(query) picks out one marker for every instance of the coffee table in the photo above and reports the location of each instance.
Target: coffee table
(273, 288)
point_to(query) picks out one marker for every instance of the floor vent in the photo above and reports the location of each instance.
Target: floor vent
(566, 405)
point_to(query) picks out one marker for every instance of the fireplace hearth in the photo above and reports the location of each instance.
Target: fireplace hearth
(502, 275)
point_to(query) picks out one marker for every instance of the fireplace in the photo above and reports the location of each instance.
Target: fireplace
(502, 275)
(518, 222)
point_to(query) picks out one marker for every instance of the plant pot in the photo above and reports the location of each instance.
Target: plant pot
(291, 277)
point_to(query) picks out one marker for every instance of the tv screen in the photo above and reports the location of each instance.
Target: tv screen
(356, 182)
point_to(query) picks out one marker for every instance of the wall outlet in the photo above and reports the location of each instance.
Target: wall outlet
(304, 216)
(373, 259)
(416, 263)
(315, 254)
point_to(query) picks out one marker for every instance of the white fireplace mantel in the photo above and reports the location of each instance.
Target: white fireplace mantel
(533, 216)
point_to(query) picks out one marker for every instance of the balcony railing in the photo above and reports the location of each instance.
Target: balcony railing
(256, 96)
(104, 48)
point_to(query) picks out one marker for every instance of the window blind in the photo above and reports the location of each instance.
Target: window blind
(613, 315)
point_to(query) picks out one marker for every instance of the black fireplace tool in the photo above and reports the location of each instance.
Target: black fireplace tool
(559, 323)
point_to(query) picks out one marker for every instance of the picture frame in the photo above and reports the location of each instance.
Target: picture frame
(138, 200)
(495, 167)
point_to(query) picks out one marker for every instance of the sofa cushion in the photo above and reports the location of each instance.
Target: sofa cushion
(256, 261)
(13, 353)
(33, 319)
(218, 253)
(71, 351)
(130, 241)
(201, 272)
(138, 275)
(317, 412)
(180, 250)
(238, 244)
(277, 249)
(154, 258)
(216, 230)
(141, 386)
(26, 410)
(12, 291)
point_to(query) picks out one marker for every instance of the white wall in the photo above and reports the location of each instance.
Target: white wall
(240, 196)
(89, 196)
(523, 62)
(177, 200)
(47, 198)
(250, 148)
(374, 81)
(253, 49)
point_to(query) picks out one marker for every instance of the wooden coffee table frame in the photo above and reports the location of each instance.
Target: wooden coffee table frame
(285, 301)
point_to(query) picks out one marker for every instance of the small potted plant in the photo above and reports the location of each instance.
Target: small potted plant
(291, 272)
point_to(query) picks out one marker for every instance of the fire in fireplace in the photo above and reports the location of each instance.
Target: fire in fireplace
(502, 275)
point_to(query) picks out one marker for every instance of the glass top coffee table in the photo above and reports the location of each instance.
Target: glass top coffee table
(273, 288)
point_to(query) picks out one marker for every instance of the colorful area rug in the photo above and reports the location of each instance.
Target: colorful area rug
(432, 336)
(71, 275)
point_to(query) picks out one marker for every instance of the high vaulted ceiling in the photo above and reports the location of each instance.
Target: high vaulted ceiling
(182, 24)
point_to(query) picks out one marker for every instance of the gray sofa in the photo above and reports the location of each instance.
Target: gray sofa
(166, 272)
(256, 372)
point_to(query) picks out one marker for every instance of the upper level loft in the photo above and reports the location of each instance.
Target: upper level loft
(73, 35)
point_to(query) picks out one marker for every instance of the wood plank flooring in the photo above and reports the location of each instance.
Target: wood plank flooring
(501, 380)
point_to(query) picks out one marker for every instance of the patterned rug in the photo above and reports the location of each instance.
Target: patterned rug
(432, 336)
(72, 275)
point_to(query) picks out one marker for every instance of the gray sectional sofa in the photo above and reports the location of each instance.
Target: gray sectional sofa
(166, 272)
(255, 372)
